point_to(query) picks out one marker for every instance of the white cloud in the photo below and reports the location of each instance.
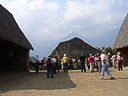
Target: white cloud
(34, 16)
(105, 15)
(41, 21)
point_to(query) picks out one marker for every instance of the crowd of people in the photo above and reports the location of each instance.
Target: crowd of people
(100, 61)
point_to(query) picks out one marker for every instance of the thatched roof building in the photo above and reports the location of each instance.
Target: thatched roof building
(14, 45)
(10, 31)
(121, 42)
(74, 48)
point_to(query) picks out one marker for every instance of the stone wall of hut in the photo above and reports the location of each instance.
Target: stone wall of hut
(21, 59)
(124, 52)
(13, 57)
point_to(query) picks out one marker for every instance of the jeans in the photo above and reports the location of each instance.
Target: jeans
(91, 67)
(105, 68)
(113, 63)
(65, 67)
(99, 66)
(74, 65)
(62, 66)
(70, 62)
(48, 70)
(82, 66)
(54, 69)
(120, 65)
(37, 67)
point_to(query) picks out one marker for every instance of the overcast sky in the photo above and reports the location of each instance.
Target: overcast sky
(42, 20)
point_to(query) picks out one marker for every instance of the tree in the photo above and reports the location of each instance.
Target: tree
(108, 49)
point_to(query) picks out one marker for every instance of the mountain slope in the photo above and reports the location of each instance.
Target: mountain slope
(107, 39)
(68, 37)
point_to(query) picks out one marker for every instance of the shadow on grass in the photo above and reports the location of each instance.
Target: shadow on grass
(32, 81)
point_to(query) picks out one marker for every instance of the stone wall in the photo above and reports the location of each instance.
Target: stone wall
(13, 57)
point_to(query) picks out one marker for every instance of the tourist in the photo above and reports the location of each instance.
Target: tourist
(37, 63)
(57, 63)
(120, 59)
(104, 59)
(99, 62)
(109, 58)
(82, 62)
(91, 60)
(62, 64)
(49, 66)
(42, 62)
(74, 63)
(113, 60)
(95, 64)
(70, 62)
(65, 60)
(54, 63)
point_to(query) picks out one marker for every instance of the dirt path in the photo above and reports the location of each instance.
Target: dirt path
(74, 83)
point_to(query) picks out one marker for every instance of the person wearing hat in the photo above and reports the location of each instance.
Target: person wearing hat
(65, 62)
(104, 59)
(50, 65)
(91, 60)
(57, 66)
(54, 64)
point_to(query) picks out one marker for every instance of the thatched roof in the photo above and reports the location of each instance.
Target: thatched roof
(122, 38)
(10, 31)
(74, 48)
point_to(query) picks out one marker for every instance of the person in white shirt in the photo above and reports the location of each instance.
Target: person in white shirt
(104, 59)
(113, 60)
(53, 60)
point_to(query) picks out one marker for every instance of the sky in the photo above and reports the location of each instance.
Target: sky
(47, 20)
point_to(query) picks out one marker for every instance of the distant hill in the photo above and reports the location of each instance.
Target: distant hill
(46, 47)
(74, 48)
(65, 38)
(75, 34)
(107, 39)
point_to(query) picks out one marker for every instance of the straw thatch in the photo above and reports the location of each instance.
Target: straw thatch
(74, 48)
(122, 38)
(10, 31)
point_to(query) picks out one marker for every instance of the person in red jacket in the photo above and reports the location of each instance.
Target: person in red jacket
(91, 60)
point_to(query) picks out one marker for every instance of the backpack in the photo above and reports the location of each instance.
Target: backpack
(48, 62)
(65, 60)
(120, 59)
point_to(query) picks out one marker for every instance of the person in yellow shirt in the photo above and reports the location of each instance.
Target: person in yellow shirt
(65, 62)
(62, 64)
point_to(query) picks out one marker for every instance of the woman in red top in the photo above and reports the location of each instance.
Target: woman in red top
(120, 59)
(91, 60)
(99, 62)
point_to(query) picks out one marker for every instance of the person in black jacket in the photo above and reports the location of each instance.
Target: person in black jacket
(82, 62)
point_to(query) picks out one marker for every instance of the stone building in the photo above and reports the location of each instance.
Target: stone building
(121, 42)
(14, 46)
